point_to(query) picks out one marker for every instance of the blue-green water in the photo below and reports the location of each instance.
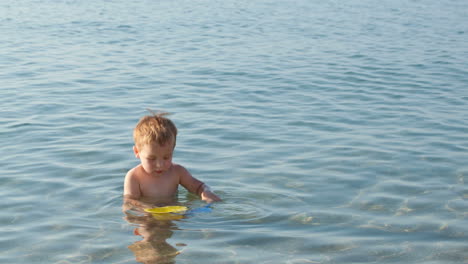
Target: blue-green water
(335, 131)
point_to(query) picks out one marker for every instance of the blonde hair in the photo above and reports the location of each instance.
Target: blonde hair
(154, 128)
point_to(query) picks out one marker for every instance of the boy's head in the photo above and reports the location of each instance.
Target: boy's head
(155, 128)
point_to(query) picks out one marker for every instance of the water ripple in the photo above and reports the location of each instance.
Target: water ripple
(336, 132)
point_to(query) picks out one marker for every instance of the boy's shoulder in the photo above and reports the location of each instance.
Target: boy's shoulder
(180, 171)
(177, 168)
(133, 172)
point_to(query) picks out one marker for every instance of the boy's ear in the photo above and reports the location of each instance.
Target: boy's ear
(135, 150)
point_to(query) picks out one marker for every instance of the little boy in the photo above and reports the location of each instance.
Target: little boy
(157, 178)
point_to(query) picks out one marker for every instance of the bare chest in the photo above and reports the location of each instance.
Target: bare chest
(159, 187)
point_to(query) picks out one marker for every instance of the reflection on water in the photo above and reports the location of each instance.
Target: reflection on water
(156, 229)
(153, 247)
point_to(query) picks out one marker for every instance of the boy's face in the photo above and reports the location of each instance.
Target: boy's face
(155, 159)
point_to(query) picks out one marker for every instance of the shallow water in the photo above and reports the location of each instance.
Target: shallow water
(335, 132)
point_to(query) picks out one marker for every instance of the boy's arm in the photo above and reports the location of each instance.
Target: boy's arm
(196, 186)
(207, 195)
(132, 193)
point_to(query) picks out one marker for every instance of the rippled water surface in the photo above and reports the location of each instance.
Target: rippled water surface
(335, 131)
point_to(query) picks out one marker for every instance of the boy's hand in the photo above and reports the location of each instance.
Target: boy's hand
(209, 197)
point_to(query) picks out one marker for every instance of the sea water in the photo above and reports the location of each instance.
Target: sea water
(334, 131)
